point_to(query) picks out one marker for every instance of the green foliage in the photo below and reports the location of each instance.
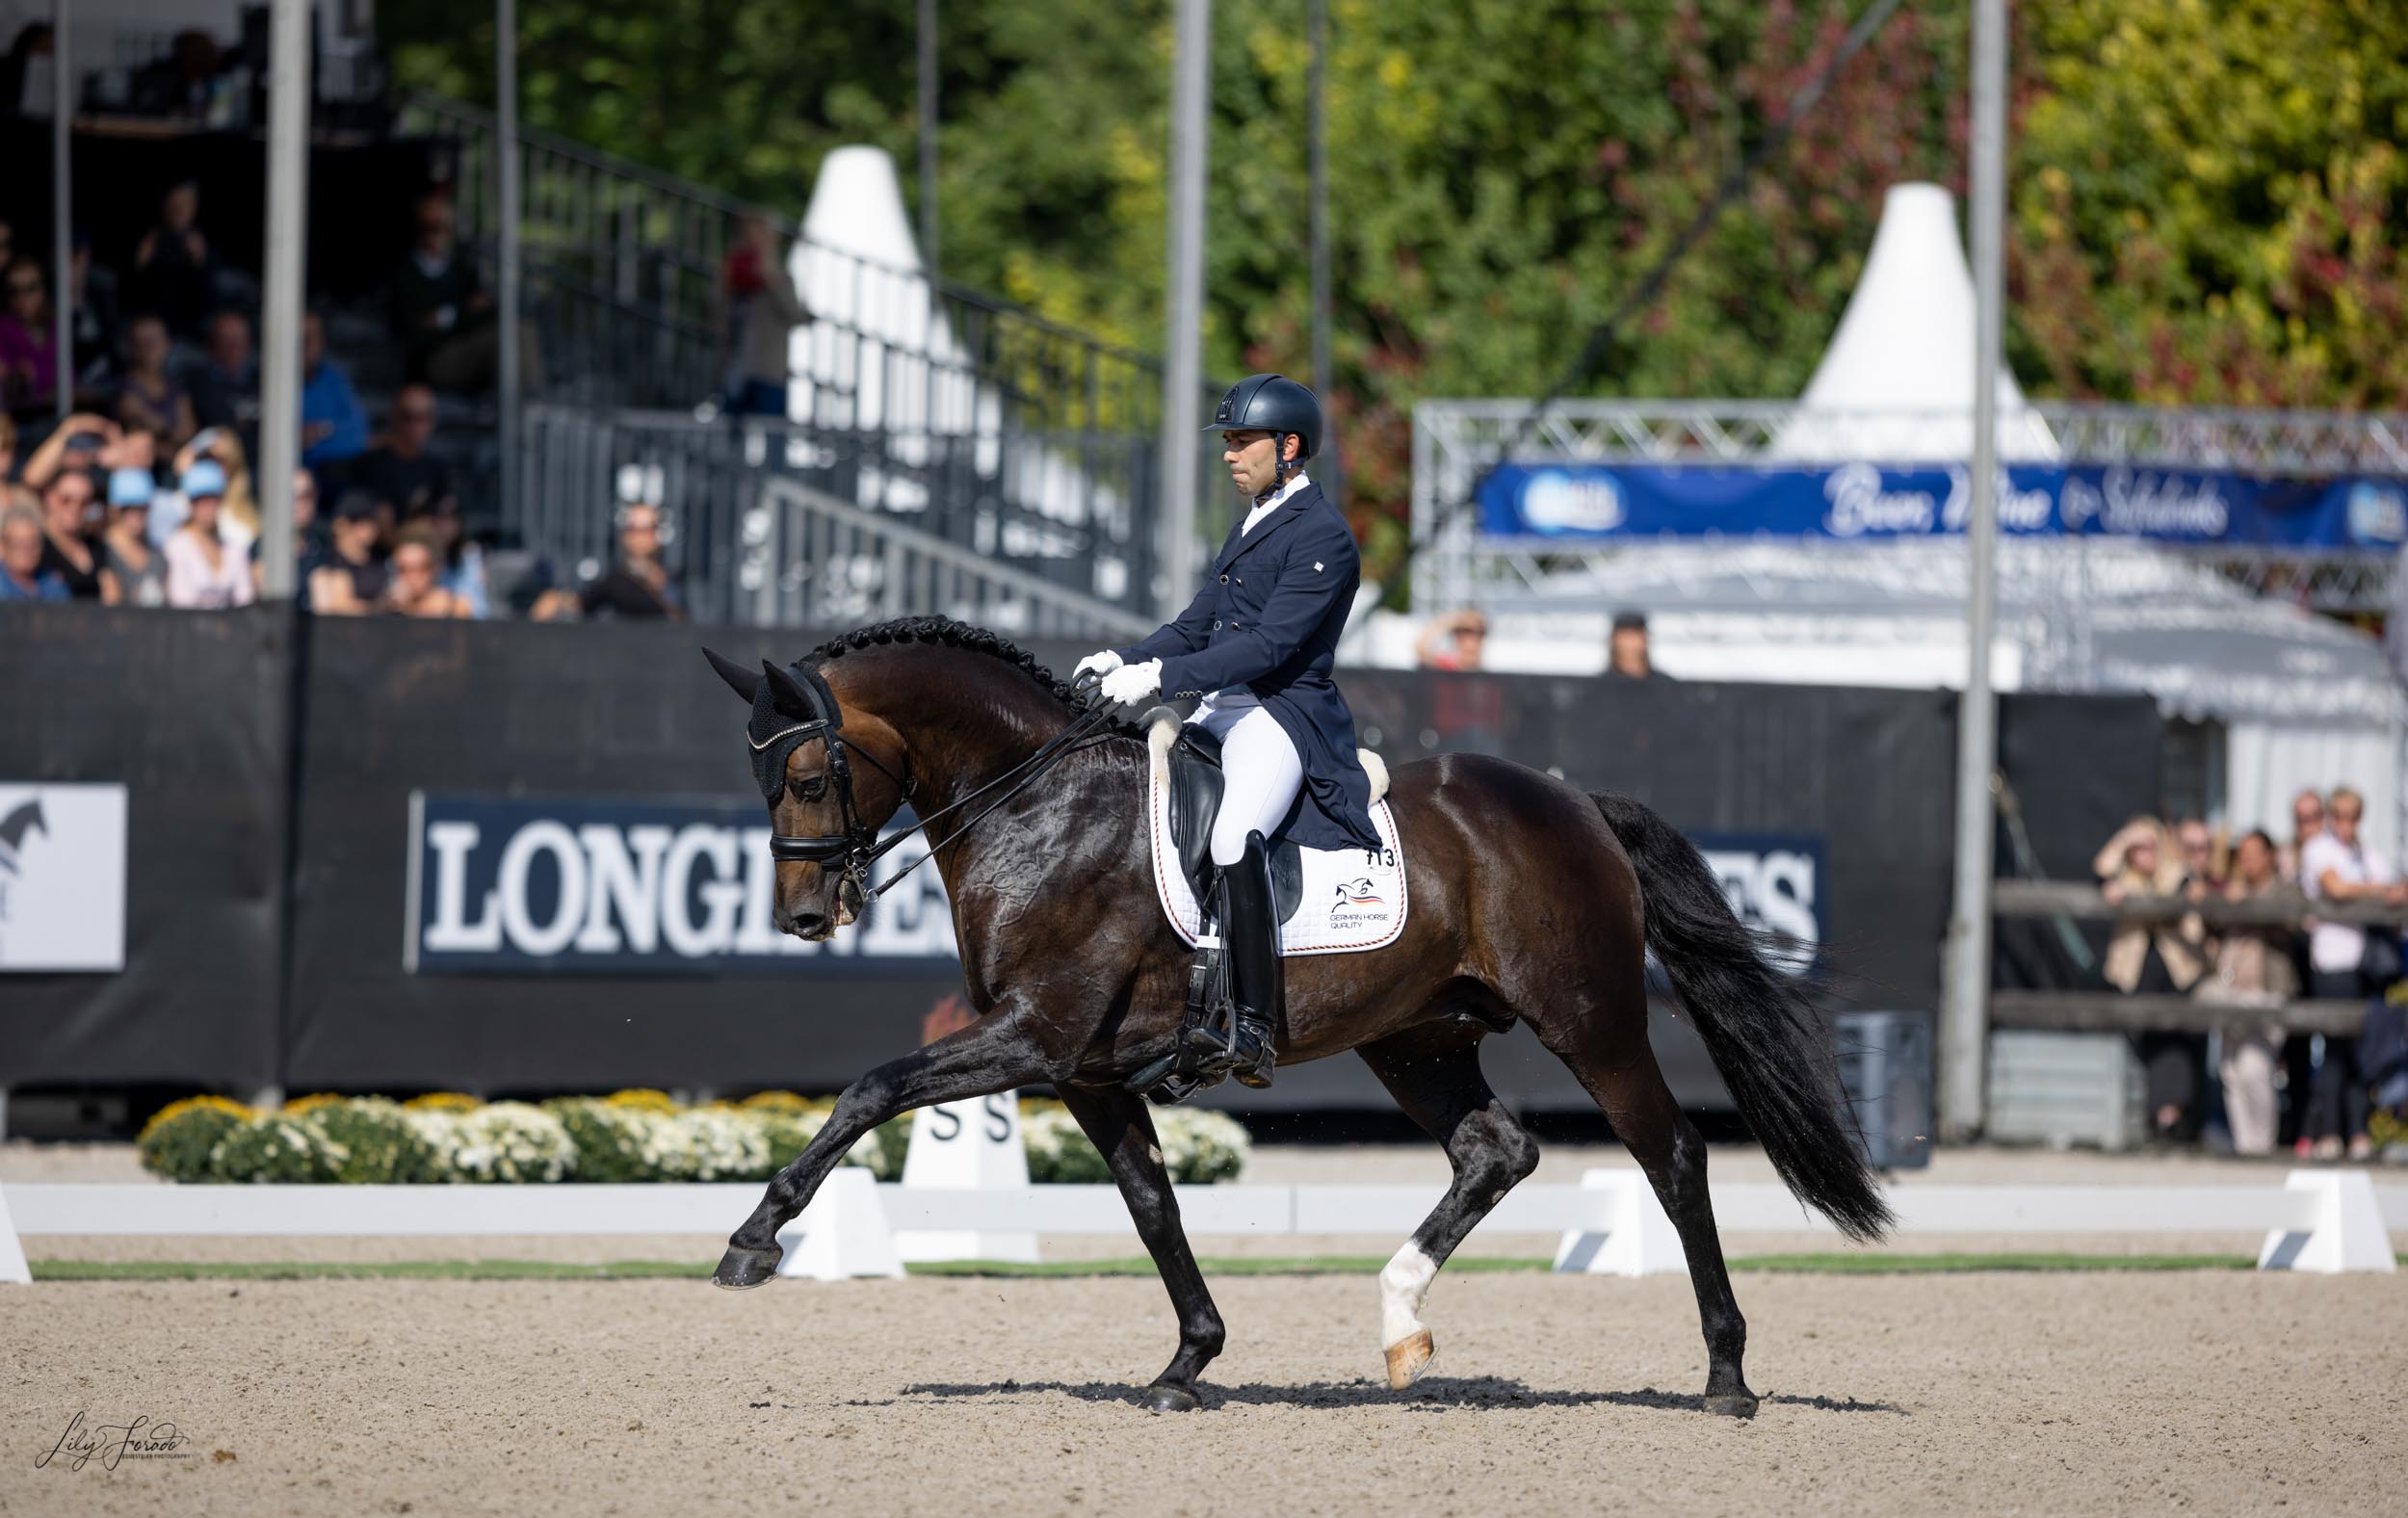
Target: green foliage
(180, 1138)
(272, 1148)
(378, 1143)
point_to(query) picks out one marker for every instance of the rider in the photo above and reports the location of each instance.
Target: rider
(1257, 644)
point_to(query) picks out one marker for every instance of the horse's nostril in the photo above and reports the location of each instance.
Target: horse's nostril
(810, 924)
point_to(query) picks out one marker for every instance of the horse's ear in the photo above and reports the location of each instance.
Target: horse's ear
(740, 680)
(785, 692)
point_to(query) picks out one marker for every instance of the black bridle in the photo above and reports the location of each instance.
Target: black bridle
(857, 847)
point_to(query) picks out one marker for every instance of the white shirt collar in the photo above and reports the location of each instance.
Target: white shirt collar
(1276, 500)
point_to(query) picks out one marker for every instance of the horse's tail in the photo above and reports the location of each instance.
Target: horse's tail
(1763, 1035)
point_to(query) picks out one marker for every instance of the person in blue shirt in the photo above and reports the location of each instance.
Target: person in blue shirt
(1258, 644)
(22, 578)
(335, 426)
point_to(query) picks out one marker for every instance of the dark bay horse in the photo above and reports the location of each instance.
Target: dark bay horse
(1532, 902)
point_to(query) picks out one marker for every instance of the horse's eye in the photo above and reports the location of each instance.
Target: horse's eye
(810, 790)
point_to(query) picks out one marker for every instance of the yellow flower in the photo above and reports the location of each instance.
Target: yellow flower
(197, 1104)
(443, 1102)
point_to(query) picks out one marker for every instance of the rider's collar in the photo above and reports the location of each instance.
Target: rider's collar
(1280, 497)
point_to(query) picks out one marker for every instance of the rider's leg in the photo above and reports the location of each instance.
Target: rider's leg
(1261, 776)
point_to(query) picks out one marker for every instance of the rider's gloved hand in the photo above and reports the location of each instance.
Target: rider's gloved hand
(1131, 683)
(1104, 663)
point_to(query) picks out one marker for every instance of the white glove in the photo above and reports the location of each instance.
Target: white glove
(1131, 683)
(1104, 663)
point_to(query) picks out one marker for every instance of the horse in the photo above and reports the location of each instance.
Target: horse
(1533, 902)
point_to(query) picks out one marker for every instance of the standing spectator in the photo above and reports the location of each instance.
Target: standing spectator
(398, 470)
(22, 577)
(334, 426)
(1626, 653)
(2253, 968)
(762, 311)
(92, 324)
(25, 75)
(225, 388)
(28, 345)
(2307, 820)
(205, 572)
(151, 399)
(69, 511)
(439, 311)
(637, 586)
(348, 580)
(1455, 641)
(2345, 962)
(2203, 876)
(175, 270)
(417, 588)
(140, 570)
(2146, 959)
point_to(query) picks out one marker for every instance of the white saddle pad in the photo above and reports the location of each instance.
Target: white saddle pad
(1351, 900)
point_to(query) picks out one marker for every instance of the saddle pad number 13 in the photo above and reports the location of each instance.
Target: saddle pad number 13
(1351, 900)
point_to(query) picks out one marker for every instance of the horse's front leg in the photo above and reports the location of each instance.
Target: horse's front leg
(1121, 1127)
(993, 1054)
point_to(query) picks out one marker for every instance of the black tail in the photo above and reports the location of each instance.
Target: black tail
(1764, 1039)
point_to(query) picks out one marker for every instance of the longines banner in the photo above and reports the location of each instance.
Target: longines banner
(581, 884)
(61, 877)
(1774, 881)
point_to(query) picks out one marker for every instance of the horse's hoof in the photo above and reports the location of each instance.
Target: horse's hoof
(1162, 1399)
(1408, 1358)
(741, 1269)
(1731, 1404)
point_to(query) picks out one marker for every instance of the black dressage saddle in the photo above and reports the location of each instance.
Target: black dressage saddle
(1195, 788)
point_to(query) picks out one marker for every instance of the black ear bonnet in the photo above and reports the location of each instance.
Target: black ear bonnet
(775, 733)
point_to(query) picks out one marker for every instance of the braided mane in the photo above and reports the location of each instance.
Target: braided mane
(946, 631)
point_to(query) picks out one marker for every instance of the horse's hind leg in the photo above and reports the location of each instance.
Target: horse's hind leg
(1122, 1131)
(1604, 1044)
(1434, 1076)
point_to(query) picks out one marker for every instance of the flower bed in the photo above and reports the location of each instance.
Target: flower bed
(634, 1135)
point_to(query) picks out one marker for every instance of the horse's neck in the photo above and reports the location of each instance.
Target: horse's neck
(965, 734)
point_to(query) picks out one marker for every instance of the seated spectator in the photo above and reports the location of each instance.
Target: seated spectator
(70, 524)
(8, 447)
(398, 470)
(22, 577)
(1453, 641)
(140, 570)
(151, 399)
(458, 562)
(181, 85)
(309, 534)
(637, 586)
(348, 579)
(762, 312)
(175, 270)
(335, 426)
(205, 572)
(440, 312)
(92, 323)
(237, 519)
(2156, 959)
(2253, 968)
(1626, 653)
(225, 386)
(28, 345)
(2348, 962)
(417, 587)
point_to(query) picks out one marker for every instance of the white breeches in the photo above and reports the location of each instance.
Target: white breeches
(1260, 776)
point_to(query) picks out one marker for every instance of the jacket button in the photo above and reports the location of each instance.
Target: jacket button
(1225, 578)
(1217, 624)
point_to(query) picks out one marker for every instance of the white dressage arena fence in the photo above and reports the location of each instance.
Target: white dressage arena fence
(2316, 1220)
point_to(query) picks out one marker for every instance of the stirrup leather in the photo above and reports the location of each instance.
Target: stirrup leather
(1235, 992)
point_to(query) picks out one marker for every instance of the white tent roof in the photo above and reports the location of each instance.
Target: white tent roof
(1896, 383)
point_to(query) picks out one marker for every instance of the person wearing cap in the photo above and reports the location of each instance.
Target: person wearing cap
(140, 570)
(205, 572)
(349, 580)
(1258, 644)
(1627, 656)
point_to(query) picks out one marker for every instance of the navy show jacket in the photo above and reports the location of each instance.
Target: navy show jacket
(1269, 619)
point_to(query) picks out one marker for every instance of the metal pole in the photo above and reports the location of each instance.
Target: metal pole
(927, 138)
(1330, 466)
(62, 208)
(283, 296)
(1183, 365)
(506, 138)
(1964, 1014)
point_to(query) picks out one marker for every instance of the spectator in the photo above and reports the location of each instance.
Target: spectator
(762, 311)
(176, 271)
(8, 447)
(22, 577)
(205, 572)
(140, 570)
(2146, 959)
(1627, 654)
(458, 562)
(1453, 641)
(26, 77)
(2203, 876)
(637, 586)
(2349, 962)
(2307, 820)
(225, 388)
(334, 426)
(398, 470)
(151, 399)
(417, 587)
(2253, 968)
(28, 345)
(348, 580)
(309, 534)
(439, 312)
(237, 519)
(92, 323)
(182, 85)
(69, 523)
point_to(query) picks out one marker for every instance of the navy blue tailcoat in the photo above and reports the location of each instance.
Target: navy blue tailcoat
(1269, 619)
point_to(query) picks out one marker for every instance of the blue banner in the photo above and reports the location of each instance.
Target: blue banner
(582, 886)
(1603, 502)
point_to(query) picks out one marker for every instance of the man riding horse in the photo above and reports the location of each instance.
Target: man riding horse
(1258, 643)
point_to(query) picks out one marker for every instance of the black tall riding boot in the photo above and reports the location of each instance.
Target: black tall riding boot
(1249, 936)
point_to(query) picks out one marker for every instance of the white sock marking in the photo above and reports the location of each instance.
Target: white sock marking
(1404, 1283)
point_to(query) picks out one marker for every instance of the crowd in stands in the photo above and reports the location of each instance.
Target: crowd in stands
(2319, 1094)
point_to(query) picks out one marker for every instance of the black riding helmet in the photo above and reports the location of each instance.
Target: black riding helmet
(1274, 404)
